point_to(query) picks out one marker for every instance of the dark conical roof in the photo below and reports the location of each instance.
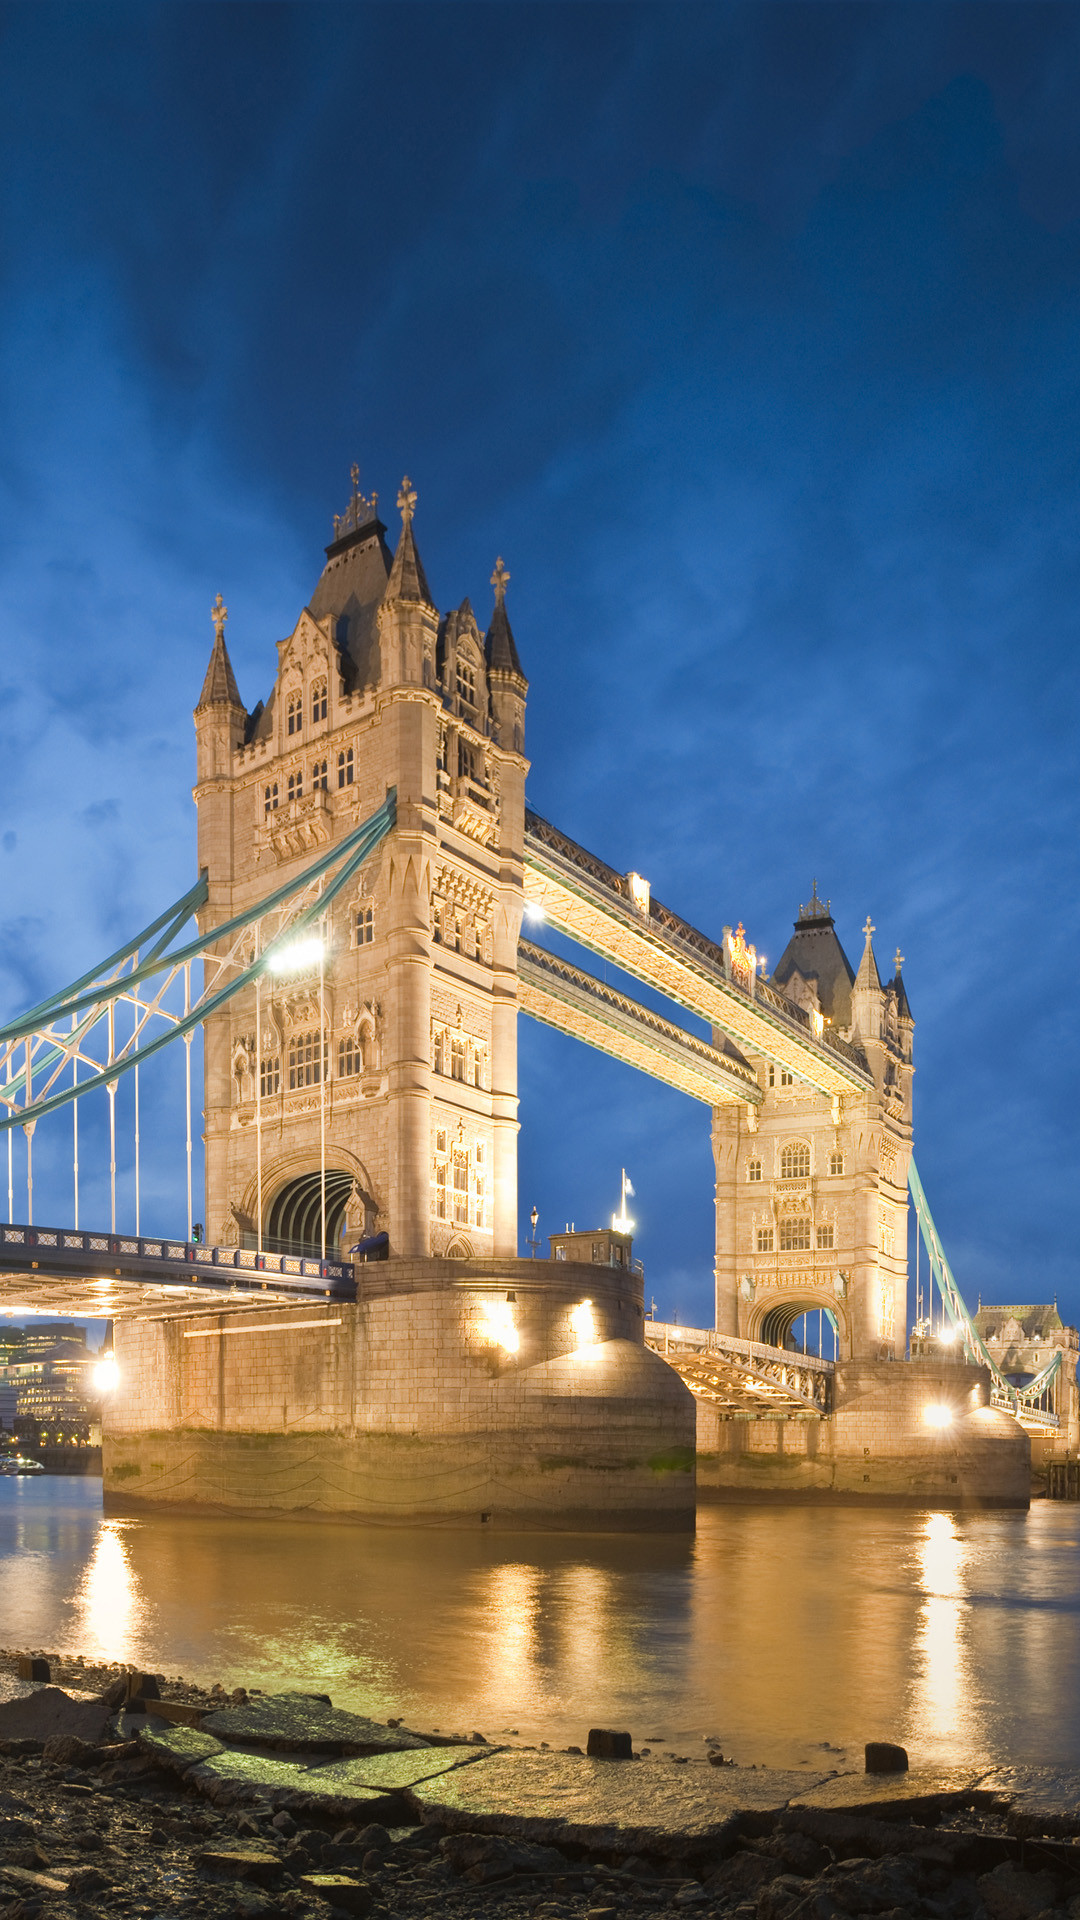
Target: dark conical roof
(407, 581)
(352, 584)
(219, 688)
(815, 952)
(499, 648)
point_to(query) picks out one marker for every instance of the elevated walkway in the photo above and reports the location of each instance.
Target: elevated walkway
(743, 1376)
(593, 904)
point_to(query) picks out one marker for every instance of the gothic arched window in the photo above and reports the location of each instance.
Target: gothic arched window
(307, 1060)
(318, 702)
(294, 788)
(795, 1233)
(753, 1171)
(795, 1161)
(318, 776)
(270, 799)
(465, 676)
(345, 767)
(350, 1059)
(294, 713)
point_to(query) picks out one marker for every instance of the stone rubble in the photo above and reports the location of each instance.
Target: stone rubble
(282, 1807)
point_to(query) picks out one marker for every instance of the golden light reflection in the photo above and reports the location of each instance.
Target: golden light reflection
(945, 1688)
(583, 1323)
(497, 1325)
(515, 1602)
(107, 1598)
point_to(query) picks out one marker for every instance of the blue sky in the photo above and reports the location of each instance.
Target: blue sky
(746, 333)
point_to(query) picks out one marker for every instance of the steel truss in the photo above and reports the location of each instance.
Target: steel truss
(1023, 1402)
(70, 1045)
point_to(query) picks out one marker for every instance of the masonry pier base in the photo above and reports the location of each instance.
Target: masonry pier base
(900, 1434)
(481, 1393)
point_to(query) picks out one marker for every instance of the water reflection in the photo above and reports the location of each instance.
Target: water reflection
(107, 1602)
(943, 1691)
(793, 1635)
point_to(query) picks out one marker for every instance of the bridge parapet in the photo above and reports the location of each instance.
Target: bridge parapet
(744, 1376)
(115, 1276)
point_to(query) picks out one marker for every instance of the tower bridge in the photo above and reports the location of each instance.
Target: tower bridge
(356, 974)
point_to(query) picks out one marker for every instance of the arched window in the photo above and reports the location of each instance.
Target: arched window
(753, 1170)
(350, 1059)
(461, 1189)
(836, 1162)
(318, 776)
(457, 1057)
(318, 702)
(307, 1060)
(365, 923)
(294, 787)
(795, 1233)
(763, 1240)
(269, 1078)
(294, 713)
(466, 683)
(270, 799)
(440, 1190)
(826, 1236)
(345, 767)
(795, 1162)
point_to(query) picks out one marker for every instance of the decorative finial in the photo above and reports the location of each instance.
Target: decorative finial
(499, 580)
(816, 908)
(219, 613)
(899, 959)
(869, 929)
(406, 500)
(359, 511)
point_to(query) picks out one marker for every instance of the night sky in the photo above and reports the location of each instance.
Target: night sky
(748, 336)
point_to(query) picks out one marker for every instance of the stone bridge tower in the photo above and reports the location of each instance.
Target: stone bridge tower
(385, 1073)
(811, 1193)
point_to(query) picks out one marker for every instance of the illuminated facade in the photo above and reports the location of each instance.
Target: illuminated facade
(811, 1189)
(372, 1089)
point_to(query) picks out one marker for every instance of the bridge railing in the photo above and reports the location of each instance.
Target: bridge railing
(181, 1262)
(707, 1340)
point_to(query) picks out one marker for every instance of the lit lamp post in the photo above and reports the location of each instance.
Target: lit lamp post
(534, 1217)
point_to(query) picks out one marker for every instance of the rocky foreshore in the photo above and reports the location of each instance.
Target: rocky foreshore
(125, 1794)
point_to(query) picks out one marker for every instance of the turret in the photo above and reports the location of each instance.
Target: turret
(867, 997)
(220, 716)
(407, 619)
(505, 677)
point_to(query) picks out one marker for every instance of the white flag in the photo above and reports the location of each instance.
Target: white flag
(629, 1185)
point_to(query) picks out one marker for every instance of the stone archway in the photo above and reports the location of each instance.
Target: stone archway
(294, 1222)
(774, 1326)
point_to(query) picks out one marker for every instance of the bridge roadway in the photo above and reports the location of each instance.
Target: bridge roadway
(560, 996)
(119, 1276)
(591, 903)
(743, 1376)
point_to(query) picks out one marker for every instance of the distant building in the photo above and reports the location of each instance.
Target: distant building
(1022, 1341)
(47, 1392)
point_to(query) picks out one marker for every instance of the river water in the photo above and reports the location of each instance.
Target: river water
(776, 1629)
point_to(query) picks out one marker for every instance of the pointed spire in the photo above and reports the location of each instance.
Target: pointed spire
(868, 975)
(407, 580)
(499, 648)
(902, 1006)
(219, 687)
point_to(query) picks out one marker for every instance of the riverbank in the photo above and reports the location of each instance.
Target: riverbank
(235, 1803)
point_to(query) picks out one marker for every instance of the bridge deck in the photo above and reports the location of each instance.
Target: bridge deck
(591, 903)
(63, 1271)
(560, 996)
(744, 1377)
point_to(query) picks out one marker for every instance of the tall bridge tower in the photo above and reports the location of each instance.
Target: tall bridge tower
(373, 1086)
(811, 1191)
